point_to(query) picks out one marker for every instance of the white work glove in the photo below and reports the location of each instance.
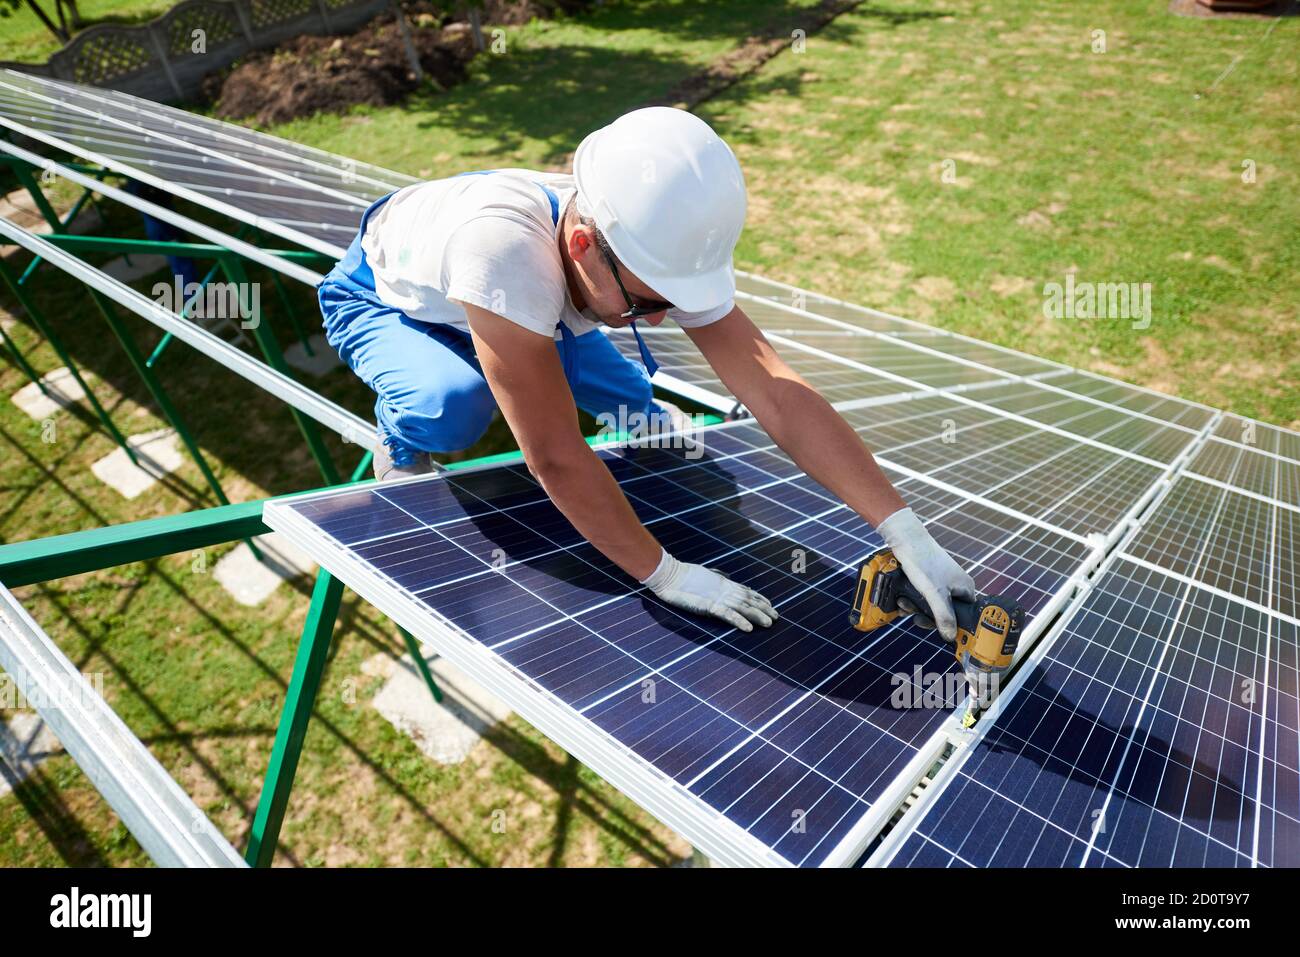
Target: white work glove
(706, 591)
(929, 568)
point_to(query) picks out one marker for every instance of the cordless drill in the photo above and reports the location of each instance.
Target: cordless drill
(988, 628)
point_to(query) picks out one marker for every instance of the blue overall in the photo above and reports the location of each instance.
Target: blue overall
(431, 392)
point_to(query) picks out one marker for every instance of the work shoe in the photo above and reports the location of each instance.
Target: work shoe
(387, 471)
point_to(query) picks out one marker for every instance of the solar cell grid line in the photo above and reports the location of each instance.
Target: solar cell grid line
(1044, 476)
(775, 314)
(1248, 541)
(886, 357)
(1134, 398)
(682, 369)
(1101, 432)
(1267, 476)
(1055, 430)
(871, 776)
(854, 314)
(214, 163)
(1119, 428)
(138, 147)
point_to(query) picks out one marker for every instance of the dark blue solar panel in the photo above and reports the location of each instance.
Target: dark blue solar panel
(1159, 731)
(791, 732)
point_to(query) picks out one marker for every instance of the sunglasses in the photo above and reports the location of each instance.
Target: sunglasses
(634, 311)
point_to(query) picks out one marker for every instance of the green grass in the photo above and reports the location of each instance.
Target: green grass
(1106, 163)
(24, 39)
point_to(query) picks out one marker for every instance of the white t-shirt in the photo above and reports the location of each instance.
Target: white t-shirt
(485, 240)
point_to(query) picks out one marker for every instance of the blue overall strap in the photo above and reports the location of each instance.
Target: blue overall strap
(566, 334)
(651, 367)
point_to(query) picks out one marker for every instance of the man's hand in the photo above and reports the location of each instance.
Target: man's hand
(929, 568)
(706, 591)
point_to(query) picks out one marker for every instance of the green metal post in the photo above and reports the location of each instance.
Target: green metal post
(22, 361)
(56, 344)
(185, 314)
(362, 467)
(413, 647)
(156, 390)
(24, 173)
(308, 668)
(275, 359)
(294, 321)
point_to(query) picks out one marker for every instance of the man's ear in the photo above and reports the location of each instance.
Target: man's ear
(581, 241)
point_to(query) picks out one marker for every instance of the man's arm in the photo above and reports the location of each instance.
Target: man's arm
(527, 380)
(827, 448)
(796, 415)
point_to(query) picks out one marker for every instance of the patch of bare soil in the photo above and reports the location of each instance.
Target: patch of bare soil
(311, 74)
(1240, 8)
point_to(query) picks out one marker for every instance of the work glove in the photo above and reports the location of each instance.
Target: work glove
(929, 568)
(706, 591)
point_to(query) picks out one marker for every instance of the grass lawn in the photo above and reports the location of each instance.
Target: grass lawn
(1107, 164)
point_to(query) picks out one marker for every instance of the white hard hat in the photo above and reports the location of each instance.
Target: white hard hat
(668, 195)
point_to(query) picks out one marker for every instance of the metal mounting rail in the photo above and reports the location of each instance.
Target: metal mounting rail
(169, 826)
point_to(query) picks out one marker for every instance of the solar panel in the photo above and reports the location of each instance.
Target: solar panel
(766, 748)
(1131, 743)
(294, 191)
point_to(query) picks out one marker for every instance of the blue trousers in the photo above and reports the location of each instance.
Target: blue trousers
(431, 395)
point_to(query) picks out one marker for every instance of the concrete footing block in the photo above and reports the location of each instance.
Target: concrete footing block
(251, 582)
(61, 390)
(159, 453)
(445, 732)
(25, 741)
(322, 359)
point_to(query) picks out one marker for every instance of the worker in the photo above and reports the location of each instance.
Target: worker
(487, 290)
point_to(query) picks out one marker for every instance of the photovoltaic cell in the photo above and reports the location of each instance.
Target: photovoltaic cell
(1115, 427)
(893, 356)
(1262, 473)
(757, 727)
(1259, 435)
(1247, 543)
(1165, 408)
(1131, 743)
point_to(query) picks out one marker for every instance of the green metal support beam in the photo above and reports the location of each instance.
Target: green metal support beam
(21, 361)
(59, 556)
(308, 668)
